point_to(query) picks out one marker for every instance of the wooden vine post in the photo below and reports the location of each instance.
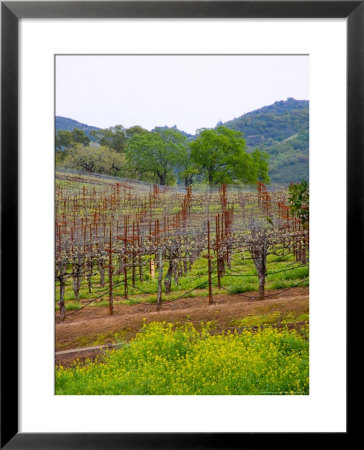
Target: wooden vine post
(218, 252)
(125, 258)
(160, 276)
(111, 302)
(211, 300)
(133, 258)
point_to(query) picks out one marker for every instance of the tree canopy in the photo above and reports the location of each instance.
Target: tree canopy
(112, 137)
(66, 139)
(163, 155)
(95, 159)
(299, 198)
(136, 129)
(220, 156)
(157, 153)
(260, 160)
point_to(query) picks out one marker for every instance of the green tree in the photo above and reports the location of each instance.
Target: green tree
(63, 139)
(79, 137)
(113, 137)
(260, 160)
(299, 199)
(67, 139)
(136, 129)
(221, 157)
(95, 159)
(189, 169)
(157, 154)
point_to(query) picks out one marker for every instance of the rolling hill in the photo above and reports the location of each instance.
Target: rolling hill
(280, 129)
(66, 124)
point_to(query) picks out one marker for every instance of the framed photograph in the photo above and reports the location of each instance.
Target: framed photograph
(181, 200)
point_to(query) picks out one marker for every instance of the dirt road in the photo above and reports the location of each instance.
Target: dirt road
(93, 325)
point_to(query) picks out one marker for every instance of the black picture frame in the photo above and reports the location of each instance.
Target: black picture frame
(11, 12)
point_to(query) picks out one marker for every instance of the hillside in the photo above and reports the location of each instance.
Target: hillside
(66, 124)
(282, 130)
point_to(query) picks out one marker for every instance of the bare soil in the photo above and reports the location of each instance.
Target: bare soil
(92, 323)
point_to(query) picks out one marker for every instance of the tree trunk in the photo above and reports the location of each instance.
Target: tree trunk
(228, 258)
(261, 287)
(185, 267)
(177, 274)
(168, 278)
(62, 286)
(77, 284)
(141, 278)
(259, 255)
(162, 179)
(76, 275)
(102, 272)
(89, 276)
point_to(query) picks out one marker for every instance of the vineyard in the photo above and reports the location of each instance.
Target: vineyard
(132, 241)
(122, 243)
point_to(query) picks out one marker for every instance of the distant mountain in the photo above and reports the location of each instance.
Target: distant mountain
(282, 130)
(66, 124)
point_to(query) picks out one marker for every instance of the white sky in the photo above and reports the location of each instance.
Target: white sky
(188, 91)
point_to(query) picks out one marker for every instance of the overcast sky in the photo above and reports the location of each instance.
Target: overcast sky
(188, 91)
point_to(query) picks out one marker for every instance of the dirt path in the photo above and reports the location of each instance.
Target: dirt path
(84, 327)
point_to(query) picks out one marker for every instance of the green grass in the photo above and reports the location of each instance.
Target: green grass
(240, 288)
(275, 317)
(282, 273)
(165, 359)
(101, 339)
